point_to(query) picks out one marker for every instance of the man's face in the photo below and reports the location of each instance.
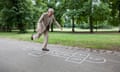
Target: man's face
(50, 13)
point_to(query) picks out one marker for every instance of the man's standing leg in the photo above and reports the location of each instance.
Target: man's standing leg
(44, 47)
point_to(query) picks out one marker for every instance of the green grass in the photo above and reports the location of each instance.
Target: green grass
(110, 41)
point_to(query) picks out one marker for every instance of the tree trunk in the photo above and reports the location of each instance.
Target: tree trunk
(73, 25)
(96, 26)
(91, 24)
(22, 28)
(90, 18)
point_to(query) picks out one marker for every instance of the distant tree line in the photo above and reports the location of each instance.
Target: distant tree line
(23, 14)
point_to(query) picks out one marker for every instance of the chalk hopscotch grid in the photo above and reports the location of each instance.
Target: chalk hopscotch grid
(76, 57)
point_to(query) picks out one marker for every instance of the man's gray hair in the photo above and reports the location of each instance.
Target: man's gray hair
(51, 9)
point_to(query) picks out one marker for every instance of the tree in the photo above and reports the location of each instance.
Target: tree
(115, 13)
(90, 17)
(23, 14)
(101, 12)
(74, 10)
(118, 7)
(6, 15)
(16, 13)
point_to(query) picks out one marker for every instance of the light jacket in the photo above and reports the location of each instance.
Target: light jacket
(44, 21)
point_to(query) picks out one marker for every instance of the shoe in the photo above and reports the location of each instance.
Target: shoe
(32, 37)
(45, 49)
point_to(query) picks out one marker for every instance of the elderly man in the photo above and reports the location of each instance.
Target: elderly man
(43, 26)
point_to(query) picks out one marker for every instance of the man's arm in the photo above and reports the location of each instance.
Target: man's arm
(57, 23)
(41, 18)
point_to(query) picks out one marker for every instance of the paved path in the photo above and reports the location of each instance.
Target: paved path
(22, 56)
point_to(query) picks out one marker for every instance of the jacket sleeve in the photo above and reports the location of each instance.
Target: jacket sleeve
(39, 22)
(58, 25)
(41, 18)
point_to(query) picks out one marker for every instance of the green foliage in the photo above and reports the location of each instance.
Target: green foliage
(101, 12)
(16, 13)
(115, 12)
(24, 14)
(6, 11)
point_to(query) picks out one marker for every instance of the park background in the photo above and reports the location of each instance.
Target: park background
(91, 24)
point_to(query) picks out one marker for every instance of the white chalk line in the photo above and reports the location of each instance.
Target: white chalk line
(85, 58)
(82, 57)
(82, 60)
(67, 59)
(59, 54)
(96, 60)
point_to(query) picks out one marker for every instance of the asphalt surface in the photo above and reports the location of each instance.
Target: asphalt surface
(23, 56)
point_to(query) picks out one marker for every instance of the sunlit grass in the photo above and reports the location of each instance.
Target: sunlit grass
(109, 41)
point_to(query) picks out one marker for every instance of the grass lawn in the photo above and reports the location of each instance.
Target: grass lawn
(109, 41)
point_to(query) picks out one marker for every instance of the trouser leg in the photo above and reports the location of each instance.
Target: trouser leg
(45, 39)
(37, 35)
